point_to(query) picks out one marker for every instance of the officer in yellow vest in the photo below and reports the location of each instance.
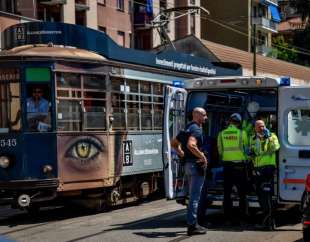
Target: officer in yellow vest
(263, 147)
(232, 145)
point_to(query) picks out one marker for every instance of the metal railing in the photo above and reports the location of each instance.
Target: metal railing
(265, 23)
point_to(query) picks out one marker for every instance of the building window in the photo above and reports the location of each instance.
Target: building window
(121, 38)
(102, 29)
(80, 18)
(192, 23)
(131, 41)
(192, 2)
(120, 5)
(102, 2)
(51, 13)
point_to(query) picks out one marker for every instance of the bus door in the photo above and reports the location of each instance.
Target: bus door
(40, 142)
(174, 121)
(294, 137)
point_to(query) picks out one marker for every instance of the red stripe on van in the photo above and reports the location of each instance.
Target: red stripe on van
(294, 181)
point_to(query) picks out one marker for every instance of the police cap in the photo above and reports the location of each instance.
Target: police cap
(236, 117)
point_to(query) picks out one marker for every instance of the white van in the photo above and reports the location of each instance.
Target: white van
(286, 107)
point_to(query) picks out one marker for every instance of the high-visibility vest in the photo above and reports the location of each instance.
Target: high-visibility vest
(248, 127)
(232, 143)
(264, 150)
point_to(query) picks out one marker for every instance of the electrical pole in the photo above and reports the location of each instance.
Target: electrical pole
(253, 35)
(254, 50)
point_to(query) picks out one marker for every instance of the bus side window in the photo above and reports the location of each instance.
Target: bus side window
(38, 115)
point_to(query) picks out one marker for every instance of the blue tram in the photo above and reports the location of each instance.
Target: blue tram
(81, 116)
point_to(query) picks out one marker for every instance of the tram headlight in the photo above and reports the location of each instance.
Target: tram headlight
(47, 169)
(4, 162)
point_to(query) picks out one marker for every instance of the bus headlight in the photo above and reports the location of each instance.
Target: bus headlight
(4, 162)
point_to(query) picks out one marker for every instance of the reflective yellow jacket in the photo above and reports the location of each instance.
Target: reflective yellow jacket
(264, 150)
(232, 144)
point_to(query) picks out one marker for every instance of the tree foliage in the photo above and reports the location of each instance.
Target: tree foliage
(283, 50)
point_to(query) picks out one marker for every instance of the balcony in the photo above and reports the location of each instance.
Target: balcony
(142, 20)
(265, 24)
(274, 2)
(52, 2)
(266, 51)
(81, 5)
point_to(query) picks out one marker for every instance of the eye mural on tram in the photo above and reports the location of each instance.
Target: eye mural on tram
(85, 153)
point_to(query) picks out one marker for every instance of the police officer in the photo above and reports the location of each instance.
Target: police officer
(232, 143)
(195, 164)
(263, 147)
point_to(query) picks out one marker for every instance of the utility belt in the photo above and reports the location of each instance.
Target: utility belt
(261, 169)
(240, 165)
(235, 163)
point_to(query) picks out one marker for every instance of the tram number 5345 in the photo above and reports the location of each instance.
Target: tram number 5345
(8, 143)
(127, 151)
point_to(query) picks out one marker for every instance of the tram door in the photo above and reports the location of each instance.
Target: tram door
(174, 121)
(40, 145)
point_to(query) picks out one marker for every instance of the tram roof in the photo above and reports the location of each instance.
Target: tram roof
(80, 37)
(52, 51)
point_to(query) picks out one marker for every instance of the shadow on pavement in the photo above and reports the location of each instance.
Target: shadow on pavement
(150, 227)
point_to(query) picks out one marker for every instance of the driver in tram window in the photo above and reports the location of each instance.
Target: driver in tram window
(37, 110)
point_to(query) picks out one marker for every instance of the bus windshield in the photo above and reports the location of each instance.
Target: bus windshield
(9, 100)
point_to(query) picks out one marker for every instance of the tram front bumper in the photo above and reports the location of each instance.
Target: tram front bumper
(40, 189)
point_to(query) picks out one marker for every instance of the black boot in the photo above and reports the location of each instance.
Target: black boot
(195, 229)
(269, 223)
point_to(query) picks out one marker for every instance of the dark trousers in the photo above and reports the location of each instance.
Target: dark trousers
(234, 174)
(264, 182)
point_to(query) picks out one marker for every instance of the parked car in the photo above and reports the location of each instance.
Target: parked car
(305, 209)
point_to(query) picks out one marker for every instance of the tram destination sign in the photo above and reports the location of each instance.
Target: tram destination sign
(89, 39)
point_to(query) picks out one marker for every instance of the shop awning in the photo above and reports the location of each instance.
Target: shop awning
(275, 15)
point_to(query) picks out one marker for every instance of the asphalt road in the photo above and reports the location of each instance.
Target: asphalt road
(155, 220)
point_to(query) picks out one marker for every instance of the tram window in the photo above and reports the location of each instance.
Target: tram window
(133, 117)
(158, 116)
(69, 115)
(94, 82)
(95, 114)
(9, 103)
(87, 108)
(146, 116)
(117, 84)
(158, 88)
(72, 80)
(94, 102)
(157, 99)
(145, 87)
(133, 86)
(38, 105)
(118, 111)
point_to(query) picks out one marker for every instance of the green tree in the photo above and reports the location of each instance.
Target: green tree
(283, 50)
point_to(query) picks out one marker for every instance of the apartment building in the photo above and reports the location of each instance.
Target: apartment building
(110, 16)
(291, 23)
(235, 23)
(178, 27)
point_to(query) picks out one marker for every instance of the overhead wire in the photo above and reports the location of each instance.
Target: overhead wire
(226, 25)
